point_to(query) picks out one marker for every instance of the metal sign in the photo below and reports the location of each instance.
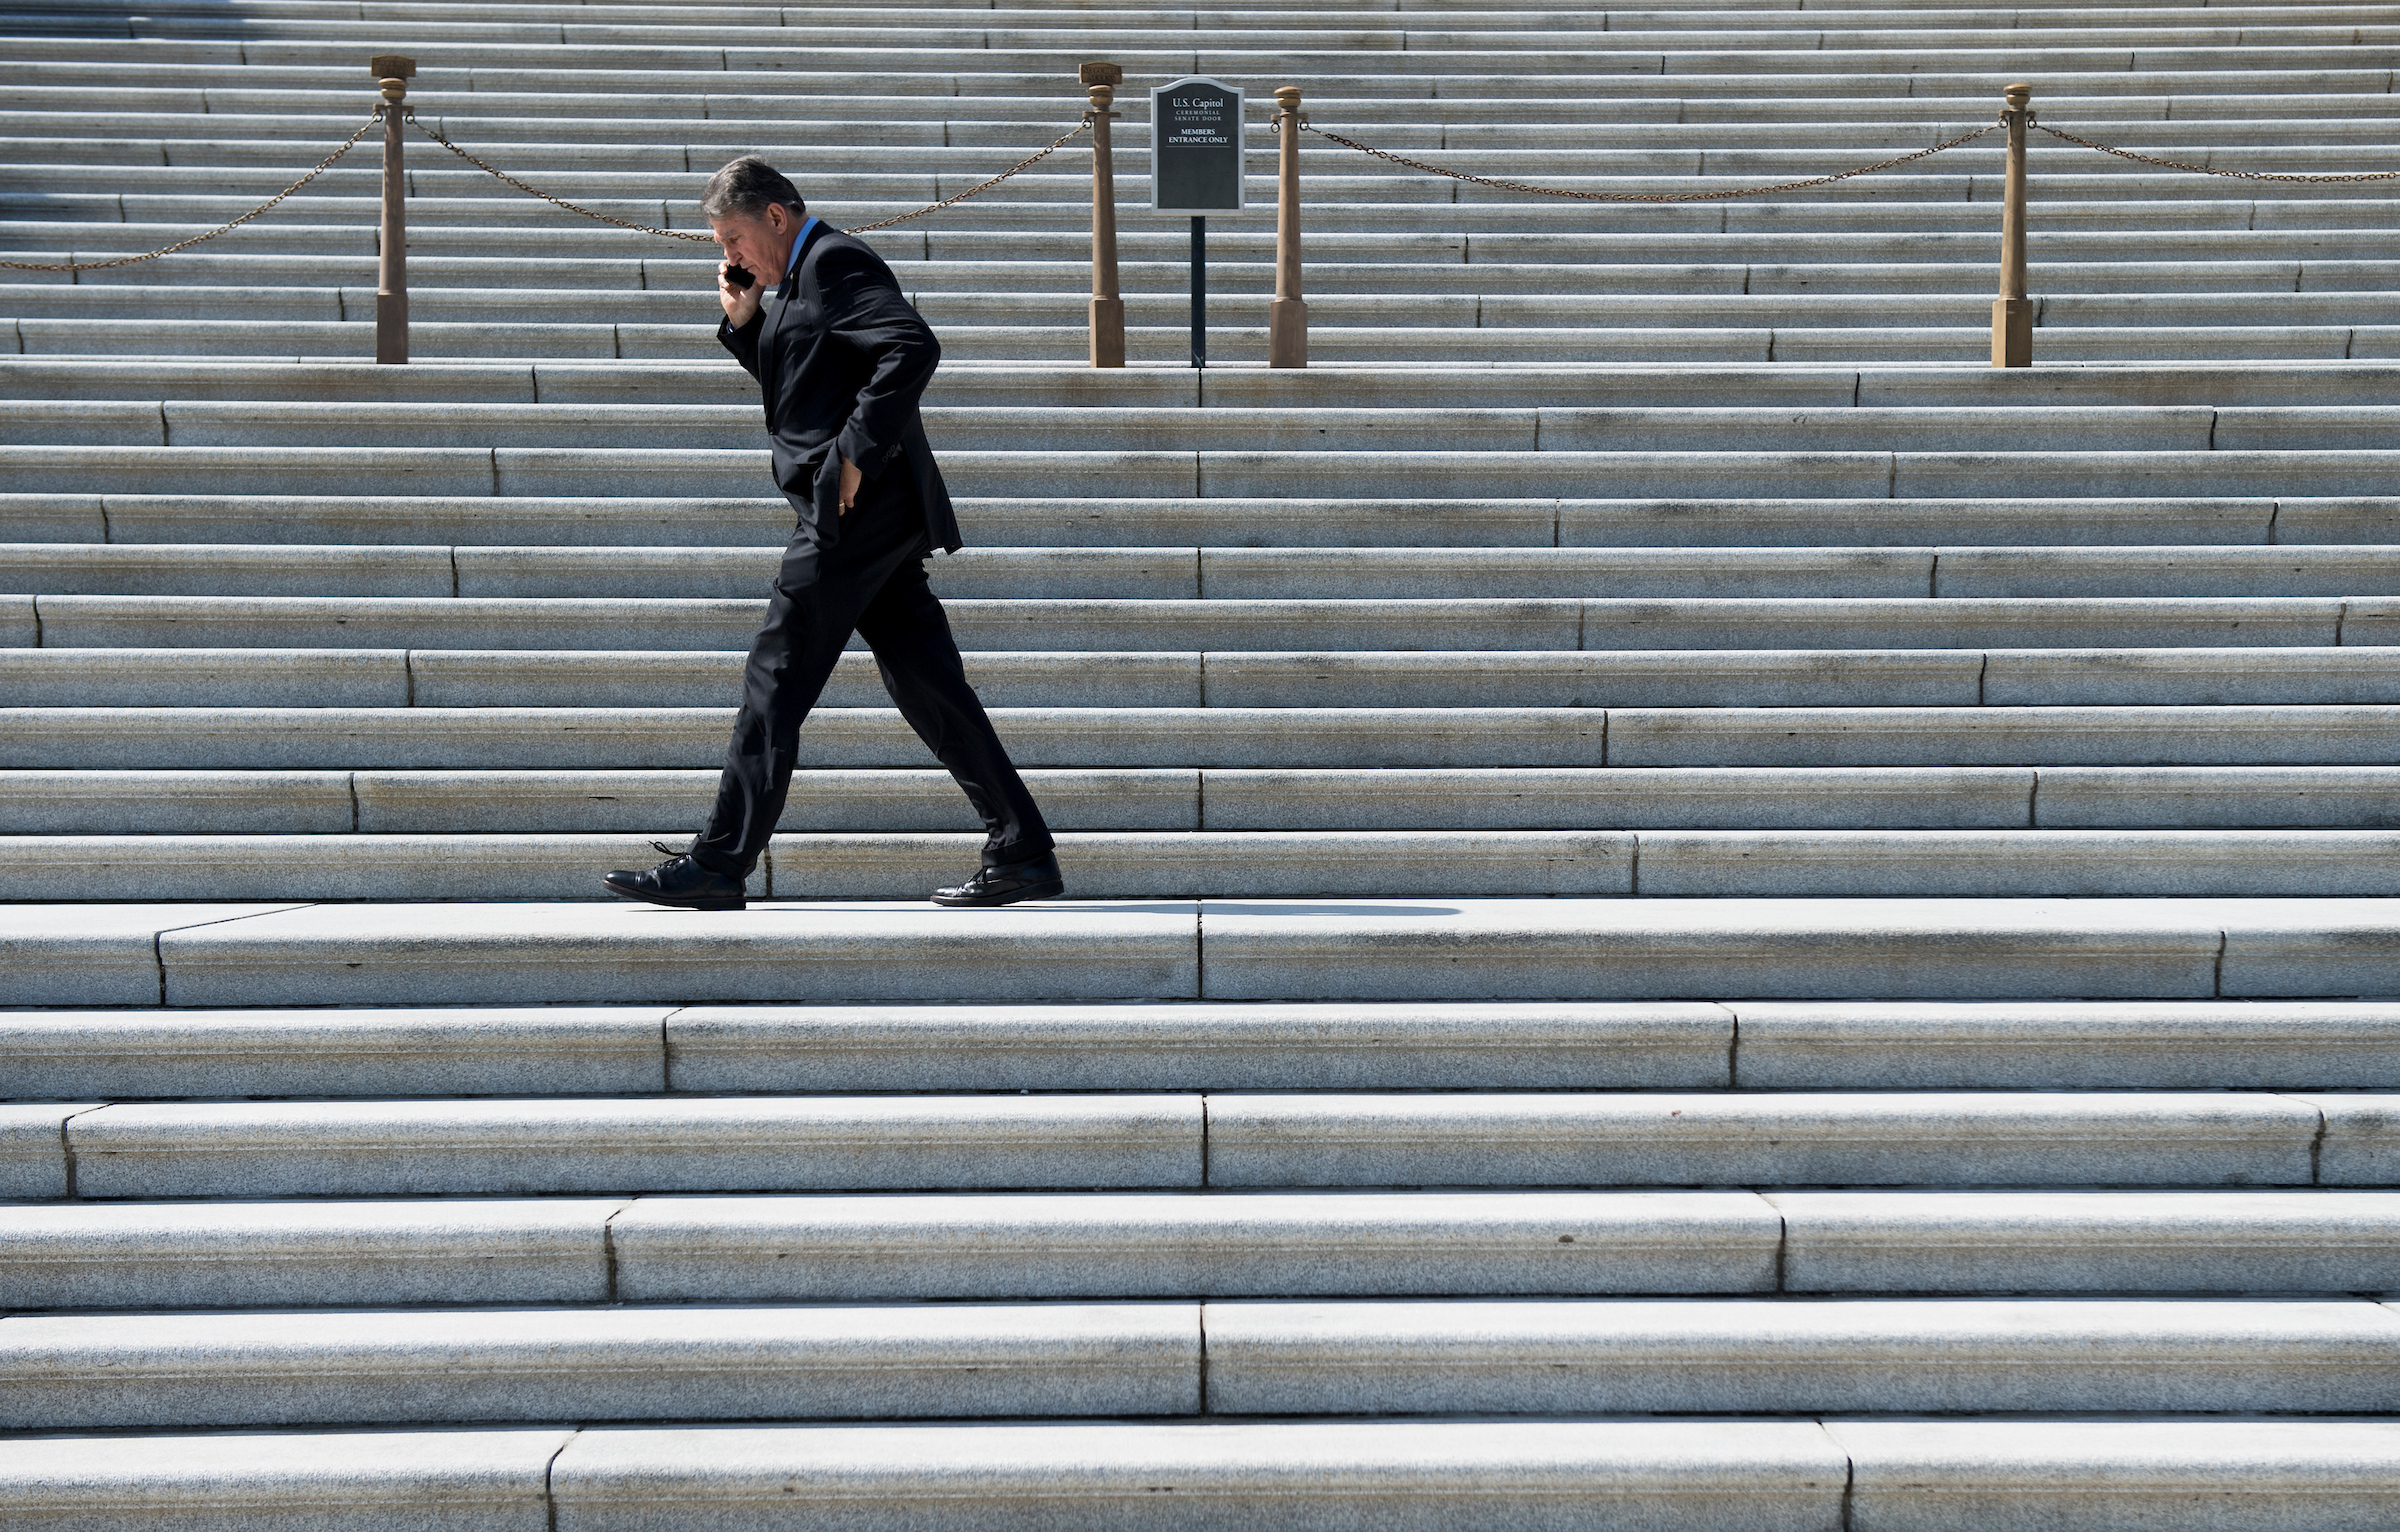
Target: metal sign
(1196, 147)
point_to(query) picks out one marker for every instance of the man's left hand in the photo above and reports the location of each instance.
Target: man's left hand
(851, 479)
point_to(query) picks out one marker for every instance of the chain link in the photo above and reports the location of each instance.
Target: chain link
(1026, 163)
(323, 165)
(437, 136)
(1599, 196)
(2209, 170)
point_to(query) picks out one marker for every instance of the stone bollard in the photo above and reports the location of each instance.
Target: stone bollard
(1108, 305)
(2012, 311)
(1287, 316)
(392, 73)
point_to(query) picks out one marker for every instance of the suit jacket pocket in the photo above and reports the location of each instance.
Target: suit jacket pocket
(825, 496)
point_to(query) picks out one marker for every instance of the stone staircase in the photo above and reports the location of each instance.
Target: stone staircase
(1692, 910)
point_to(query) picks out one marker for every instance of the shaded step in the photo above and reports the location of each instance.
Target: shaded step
(336, 739)
(484, 520)
(963, 386)
(1384, 799)
(1066, 626)
(1286, 427)
(1227, 574)
(329, 340)
(939, 253)
(131, 677)
(1730, 271)
(1164, 474)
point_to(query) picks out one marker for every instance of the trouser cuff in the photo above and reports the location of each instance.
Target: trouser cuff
(1018, 851)
(719, 863)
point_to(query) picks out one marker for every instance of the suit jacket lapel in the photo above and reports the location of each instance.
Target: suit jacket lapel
(780, 303)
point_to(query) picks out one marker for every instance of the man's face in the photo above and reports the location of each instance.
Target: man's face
(758, 243)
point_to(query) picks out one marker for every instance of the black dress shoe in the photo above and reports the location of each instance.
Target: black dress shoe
(681, 883)
(1035, 878)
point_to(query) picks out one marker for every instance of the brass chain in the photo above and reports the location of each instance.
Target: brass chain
(1599, 196)
(2209, 170)
(1026, 163)
(709, 239)
(437, 136)
(323, 165)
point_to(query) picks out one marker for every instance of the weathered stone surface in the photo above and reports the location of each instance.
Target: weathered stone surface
(2207, 1475)
(83, 955)
(546, 954)
(1191, 1046)
(1270, 1243)
(1583, 949)
(563, 1050)
(441, 1481)
(1852, 1355)
(33, 1147)
(2073, 1045)
(1750, 1475)
(2089, 1241)
(620, 1363)
(1785, 1138)
(237, 1254)
(497, 1146)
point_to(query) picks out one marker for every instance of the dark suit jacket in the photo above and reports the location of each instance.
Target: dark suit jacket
(842, 357)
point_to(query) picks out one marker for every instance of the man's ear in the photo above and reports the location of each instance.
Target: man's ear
(779, 217)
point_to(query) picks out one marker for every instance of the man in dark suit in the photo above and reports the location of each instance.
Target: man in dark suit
(841, 358)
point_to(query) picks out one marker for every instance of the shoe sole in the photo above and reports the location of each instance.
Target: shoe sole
(1049, 890)
(677, 904)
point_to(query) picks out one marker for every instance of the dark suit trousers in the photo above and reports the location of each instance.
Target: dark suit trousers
(872, 581)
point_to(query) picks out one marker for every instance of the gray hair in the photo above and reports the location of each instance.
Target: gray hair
(746, 188)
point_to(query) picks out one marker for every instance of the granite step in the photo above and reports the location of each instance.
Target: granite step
(1590, 106)
(1153, 863)
(679, 428)
(2246, 1475)
(948, 252)
(1520, 1356)
(534, 800)
(449, 678)
(493, 738)
(504, 1146)
(1392, 623)
(85, 1257)
(1101, 520)
(1166, 344)
(1915, 471)
(832, 130)
(219, 955)
(1166, 573)
(1436, 314)
(1756, 1045)
(962, 390)
(293, 1368)
(2125, 211)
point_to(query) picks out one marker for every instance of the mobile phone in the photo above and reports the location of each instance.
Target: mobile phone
(739, 276)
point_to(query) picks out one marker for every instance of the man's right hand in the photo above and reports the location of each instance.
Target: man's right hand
(741, 303)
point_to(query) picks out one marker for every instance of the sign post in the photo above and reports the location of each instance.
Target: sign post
(1196, 167)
